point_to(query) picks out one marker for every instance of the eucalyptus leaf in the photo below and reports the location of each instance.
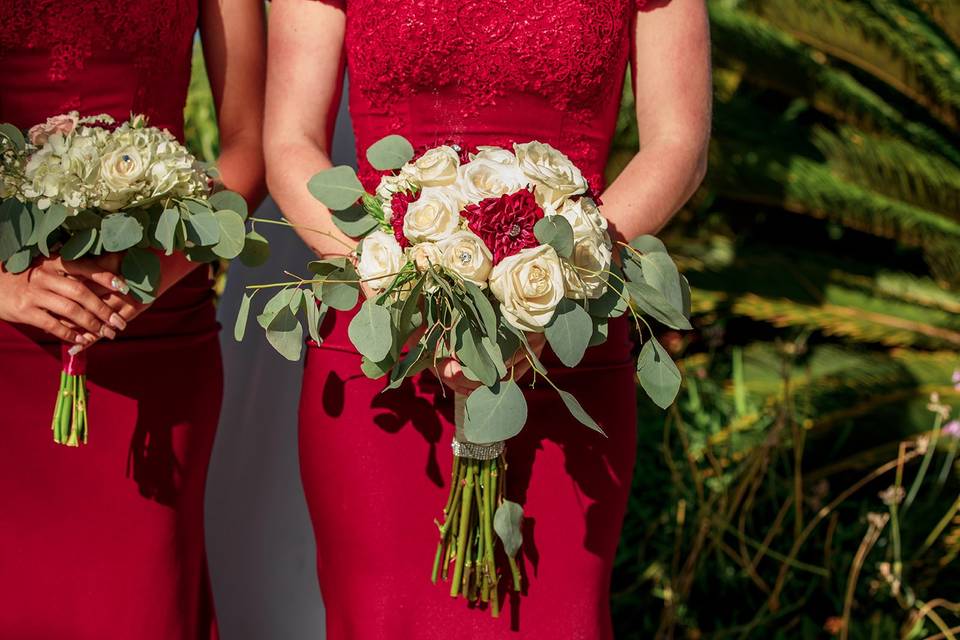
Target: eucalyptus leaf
(661, 273)
(296, 299)
(314, 315)
(203, 228)
(648, 244)
(141, 269)
(323, 268)
(229, 200)
(495, 413)
(270, 310)
(391, 152)
(569, 332)
(601, 329)
(488, 315)
(354, 221)
(166, 230)
(687, 298)
(614, 302)
(340, 296)
(652, 303)
(370, 331)
(256, 250)
(13, 134)
(341, 289)
(16, 227)
(407, 366)
(19, 261)
(200, 254)
(578, 412)
(507, 522)
(119, 232)
(555, 231)
(51, 220)
(375, 370)
(240, 328)
(285, 334)
(659, 376)
(337, 188)
(232, 234)
(79, 244)
(473, 356)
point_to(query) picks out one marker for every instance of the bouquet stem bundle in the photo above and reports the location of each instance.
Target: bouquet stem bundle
(467, 534)
(70, 415)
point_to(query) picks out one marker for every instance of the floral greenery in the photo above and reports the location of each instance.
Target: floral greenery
(823, 253)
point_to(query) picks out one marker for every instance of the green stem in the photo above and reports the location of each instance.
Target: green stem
(924, 464)
(948, 463)
(466, 501)
(515, 571)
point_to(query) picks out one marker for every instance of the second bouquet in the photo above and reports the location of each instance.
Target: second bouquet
(82, 187)
(466, 254)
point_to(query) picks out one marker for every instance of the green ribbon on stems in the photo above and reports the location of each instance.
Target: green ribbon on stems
(467, 541)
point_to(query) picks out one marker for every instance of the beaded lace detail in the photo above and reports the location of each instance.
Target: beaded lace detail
(152, 36)
(569, 54)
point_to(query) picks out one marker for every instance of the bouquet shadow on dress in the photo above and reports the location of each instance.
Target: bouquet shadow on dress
(467, 253)
(86, 186)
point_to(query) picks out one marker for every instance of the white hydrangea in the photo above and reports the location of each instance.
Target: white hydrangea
(92, 167)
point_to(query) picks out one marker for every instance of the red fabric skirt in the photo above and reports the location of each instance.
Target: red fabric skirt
(376, 471)
(106, 540)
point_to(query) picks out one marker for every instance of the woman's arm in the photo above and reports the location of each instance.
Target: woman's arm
(233, 33)
(672, 83)
(304, 76)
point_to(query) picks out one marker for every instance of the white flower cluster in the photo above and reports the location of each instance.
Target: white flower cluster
(80, 165)
(529, 282)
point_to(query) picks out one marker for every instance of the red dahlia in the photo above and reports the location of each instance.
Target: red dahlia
(505, 224)
(398, 211)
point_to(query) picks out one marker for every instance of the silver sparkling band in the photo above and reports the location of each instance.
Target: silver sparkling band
(476, 451)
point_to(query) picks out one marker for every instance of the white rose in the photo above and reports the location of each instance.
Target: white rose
(587, 271)
(585, 218)
(484, 178)
(554, 176)
(433, 216)
(120, 171)
(465, 253)
(494, 154)
(435, 168)
(529, 286)
(424, 255)
(381, 257)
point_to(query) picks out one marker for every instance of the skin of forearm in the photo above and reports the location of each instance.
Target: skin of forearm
(289, 168)
(656, 183)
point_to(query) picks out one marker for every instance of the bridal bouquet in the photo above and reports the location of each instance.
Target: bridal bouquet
(466, 254)
(82, 186)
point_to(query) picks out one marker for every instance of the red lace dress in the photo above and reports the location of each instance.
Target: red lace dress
(106, 541)
(375, 466)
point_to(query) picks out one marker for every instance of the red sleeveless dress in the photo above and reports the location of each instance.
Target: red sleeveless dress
(375, 466)
(106, 541)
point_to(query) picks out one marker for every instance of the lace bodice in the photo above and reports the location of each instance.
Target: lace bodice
(95, 56)
(489, 72)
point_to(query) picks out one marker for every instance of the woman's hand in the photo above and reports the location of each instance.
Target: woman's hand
(450, 371)
(57, 297)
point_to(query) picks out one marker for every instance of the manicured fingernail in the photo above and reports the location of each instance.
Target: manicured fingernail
(74, 350)
(119, 284)
(107, 332)
(117, 322)
(80, 339)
